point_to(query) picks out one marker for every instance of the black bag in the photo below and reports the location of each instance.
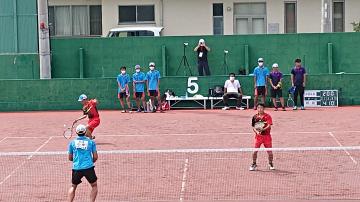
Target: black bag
(217, 91)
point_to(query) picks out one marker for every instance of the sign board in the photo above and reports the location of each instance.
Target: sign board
(321, 98)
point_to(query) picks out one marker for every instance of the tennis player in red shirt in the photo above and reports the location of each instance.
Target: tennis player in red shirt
(90, 111)
(262, 135)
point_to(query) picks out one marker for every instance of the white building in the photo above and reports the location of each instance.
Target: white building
(203, 17)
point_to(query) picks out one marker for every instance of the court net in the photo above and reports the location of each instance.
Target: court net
(318, 173)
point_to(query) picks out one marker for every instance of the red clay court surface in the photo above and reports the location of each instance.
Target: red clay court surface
(176, 176)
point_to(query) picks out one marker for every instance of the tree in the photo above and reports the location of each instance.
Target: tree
(356, 26)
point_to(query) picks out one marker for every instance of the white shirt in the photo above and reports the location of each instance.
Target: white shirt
(232, 87)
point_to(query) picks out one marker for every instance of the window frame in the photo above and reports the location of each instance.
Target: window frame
(333, 18)
(136, 15)
(71, 18)
(285, 28)
(218, 17)
(250, 18)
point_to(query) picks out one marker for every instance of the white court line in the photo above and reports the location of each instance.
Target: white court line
(3, 139)
(347, 153)
(183, 181)
(187, 134)
(29, 137)
(23, 163)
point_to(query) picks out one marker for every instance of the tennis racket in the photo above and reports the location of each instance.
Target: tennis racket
(68, 131)
(259, 126)
(290, 102)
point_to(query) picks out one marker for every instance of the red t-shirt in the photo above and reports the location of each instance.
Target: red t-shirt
(265, 118)
(90, 109)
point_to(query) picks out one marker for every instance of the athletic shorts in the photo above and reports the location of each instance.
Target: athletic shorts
(265, 140)
(123, 95)
(153, 93)
(260, 90)
(89, 174)
(93, 123)
(139, 94)
(276, 93)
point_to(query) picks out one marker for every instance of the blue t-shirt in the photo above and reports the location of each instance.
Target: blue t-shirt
(298, 75)
(261, 74)
(153, 78)
(275, 77)
(82, 148)
(123, 79)
(139, 87)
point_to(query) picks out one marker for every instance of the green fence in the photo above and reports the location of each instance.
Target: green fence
(62, 94)
(18, 25)
(321, 53)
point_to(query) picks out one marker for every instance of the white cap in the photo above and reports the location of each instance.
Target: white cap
(201, 41)
(152, 64)
(275, 65)
(80, 129)
(82, 97)
(261, 59)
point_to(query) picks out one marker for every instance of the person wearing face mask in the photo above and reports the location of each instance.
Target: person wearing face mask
(138, 87)
(232, 89)
(261, 74)
(202, 51)
(123, 80)
(152, 84)
(275, 80)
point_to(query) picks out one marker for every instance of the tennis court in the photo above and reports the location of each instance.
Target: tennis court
(187, 155)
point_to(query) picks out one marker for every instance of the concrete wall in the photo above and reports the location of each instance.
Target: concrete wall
(352, 13)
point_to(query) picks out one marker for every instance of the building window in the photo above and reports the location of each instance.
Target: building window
(338, 16)
(250, 18)
(137, 14)
(218, 19)
(290, 17)
(75, 20)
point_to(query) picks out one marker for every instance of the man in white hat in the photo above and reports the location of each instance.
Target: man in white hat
(261, 74)
(275, 80)
(82, 152)
(202, 51)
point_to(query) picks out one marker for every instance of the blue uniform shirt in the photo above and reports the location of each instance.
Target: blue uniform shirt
(153, 77)
(139, 87)
(261, 74)
(123, 79)
(82, 148)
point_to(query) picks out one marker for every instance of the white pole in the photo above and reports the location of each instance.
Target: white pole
(44, 41)
(326, 16)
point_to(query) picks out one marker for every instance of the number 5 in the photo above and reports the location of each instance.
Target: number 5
(191, 83)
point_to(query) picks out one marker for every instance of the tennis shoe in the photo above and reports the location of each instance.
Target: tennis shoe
(253, 167)
(226, 108)
(240, 108)
(302, 108)
(295, 108)
(271, 166)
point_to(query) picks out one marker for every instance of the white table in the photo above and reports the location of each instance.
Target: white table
(214, 101)
(199, 100)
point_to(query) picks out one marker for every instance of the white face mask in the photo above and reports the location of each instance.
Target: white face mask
(137, 70)
(261, 64)
(232, 78)
(152, 68)
(122, 72)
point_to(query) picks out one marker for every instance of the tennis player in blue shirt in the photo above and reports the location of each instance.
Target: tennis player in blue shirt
(152, 84)
(139, 87)
(83, 154)
(123, 80)
(261, 74)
